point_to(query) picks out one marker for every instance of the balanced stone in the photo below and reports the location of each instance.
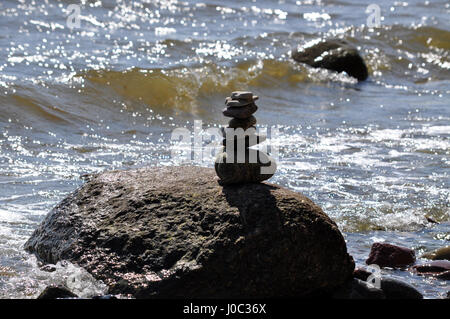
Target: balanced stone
(239, 102)
(247, 141)
(244, 123)
(240, 112)
(230, 171)
(243, 95)
(239, 131)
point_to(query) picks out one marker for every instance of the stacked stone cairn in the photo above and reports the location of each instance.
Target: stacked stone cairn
(237, 162)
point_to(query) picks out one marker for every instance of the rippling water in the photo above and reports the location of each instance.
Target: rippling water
(374, 155)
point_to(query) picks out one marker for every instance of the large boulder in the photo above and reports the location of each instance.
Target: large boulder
(175, 232)
(333, 54)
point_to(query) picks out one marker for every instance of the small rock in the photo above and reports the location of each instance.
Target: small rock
(56, 292)
(361, 274)
(396, 289)
(358, 289)
(240, 112)
(387, 255)
(438, 254)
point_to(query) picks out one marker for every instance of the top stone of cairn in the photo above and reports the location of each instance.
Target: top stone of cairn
(242, 95)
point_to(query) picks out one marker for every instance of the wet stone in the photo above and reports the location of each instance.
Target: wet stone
(230, 171)
(244, 124)
(240, 112)
(248, 141)
(242, 95)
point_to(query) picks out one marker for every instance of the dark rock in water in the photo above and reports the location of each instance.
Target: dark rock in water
(431, 220)
(173, 232)
(436, 268)
(445, 275)
(396, 289)
(336, 54)
(358, 289)
(438, 254)
(387, 255)
(361, 274)
(56, 292)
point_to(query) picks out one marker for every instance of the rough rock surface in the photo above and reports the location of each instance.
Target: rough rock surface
(333, 54)
(175, 232)
(388, 255)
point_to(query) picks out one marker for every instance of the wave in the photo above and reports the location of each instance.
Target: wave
(181, 88)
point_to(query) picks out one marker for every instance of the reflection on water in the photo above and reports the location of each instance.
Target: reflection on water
(374, 155)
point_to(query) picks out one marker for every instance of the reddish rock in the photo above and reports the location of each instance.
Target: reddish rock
(387, 255)
(436, 268)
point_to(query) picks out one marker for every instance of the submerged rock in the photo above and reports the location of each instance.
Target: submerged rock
(396, 289)
(358, 289)
(441, 253)
(437, 268)
(388, 255)
(388, 289)
(56, 292)
(175, 232)
(334, 54)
